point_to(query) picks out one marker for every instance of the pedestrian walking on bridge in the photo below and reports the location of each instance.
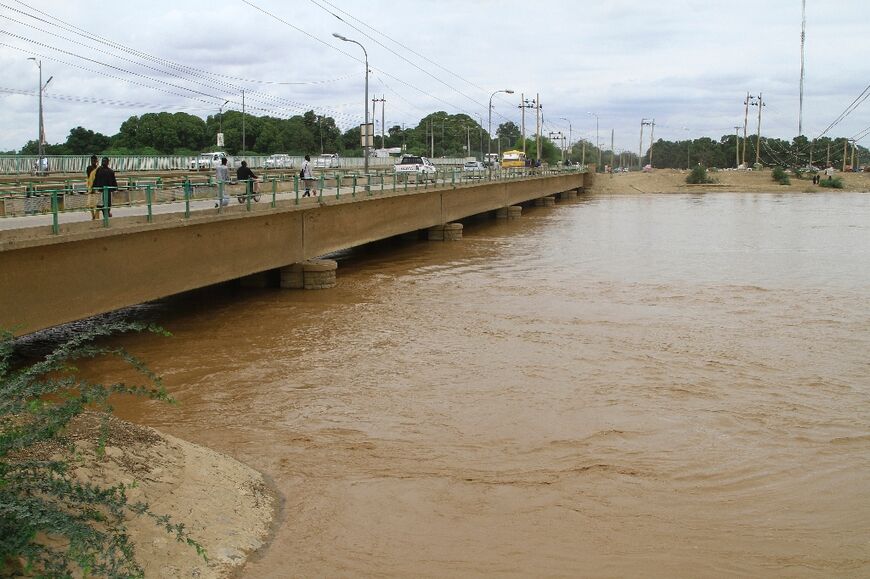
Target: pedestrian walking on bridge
(307, 176)
(104, 185)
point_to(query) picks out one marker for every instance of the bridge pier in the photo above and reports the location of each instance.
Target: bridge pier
(446, 232)
(548, 201)
(570, 194)
(511, 212)
(310, 275)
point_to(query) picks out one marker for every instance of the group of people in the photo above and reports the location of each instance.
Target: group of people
(101, 184)
(829, 173)
(244, 174)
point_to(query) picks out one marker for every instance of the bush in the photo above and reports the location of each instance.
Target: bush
(832, 182)
(699, 176)
(51, 524)
(779, 175)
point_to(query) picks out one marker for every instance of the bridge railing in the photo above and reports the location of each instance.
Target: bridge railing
(70, 201)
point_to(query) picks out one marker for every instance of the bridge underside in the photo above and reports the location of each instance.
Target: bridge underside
(52, 280)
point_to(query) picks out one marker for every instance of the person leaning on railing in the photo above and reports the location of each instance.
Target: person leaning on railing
(91, 173)
(104, 184)
(245, 175)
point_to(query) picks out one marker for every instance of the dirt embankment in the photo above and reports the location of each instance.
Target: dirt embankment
(674, 181)
(223, 504)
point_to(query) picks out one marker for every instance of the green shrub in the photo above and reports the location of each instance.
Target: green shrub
(832, 182)
(798, 173)
(699, 176)
(779, 175)
(51, 524)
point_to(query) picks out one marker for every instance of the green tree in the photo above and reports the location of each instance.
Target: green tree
(82, 141)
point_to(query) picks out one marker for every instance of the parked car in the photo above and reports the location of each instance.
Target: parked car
(279, 161)
(327, 161)
(415, 164)
(474, 169)
(210, 160)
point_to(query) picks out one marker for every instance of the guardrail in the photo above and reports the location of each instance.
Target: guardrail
(28, 164)
(149, 193)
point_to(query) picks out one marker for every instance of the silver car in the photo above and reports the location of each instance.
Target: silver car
(474, 169)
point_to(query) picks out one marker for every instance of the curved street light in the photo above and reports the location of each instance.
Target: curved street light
(489, 144)
(365, 102)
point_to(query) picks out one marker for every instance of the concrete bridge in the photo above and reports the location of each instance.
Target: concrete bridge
(50, 279)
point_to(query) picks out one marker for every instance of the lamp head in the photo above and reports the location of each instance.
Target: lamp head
(509, 91)
(340, 37)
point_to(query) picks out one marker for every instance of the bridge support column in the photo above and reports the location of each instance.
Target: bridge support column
(511, 212)
(446, 232)
(548, 201)
(310, 275)
(570, 194)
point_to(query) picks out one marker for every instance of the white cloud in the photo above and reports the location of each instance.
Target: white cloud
(686, 63)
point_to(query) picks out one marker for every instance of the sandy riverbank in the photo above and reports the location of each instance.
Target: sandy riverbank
(225, 505)
(674, 181)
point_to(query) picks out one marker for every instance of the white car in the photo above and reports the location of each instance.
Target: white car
(210, 160)
(327, 161)
(279, 161)
(474, 169)
(415, 164)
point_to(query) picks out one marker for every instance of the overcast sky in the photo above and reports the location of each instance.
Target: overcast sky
(686, 63)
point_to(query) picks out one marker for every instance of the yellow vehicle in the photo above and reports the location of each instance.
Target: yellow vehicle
(513, 158)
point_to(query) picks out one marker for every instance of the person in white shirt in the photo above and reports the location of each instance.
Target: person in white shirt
(307, 177)
(222, 176)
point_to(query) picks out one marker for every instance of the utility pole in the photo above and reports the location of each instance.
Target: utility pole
(381, 100)
(803, 39)
(845, 153)
(644, 122)
(432, 137)
(583, 158)
(538, 131)
(737, 146)
(828, 162)
(467, 141)
(40, 164)
(652, 131)
(561, 138)
(854, 146)
(746, 103)
(243, 120)
(760, 104)
(525, 104)
(612, 146)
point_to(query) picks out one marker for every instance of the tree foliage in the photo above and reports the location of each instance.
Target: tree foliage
(51, 524)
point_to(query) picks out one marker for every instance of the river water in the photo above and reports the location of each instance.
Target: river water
(657, 386)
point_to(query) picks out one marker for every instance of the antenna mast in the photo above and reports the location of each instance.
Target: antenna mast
(803, 40)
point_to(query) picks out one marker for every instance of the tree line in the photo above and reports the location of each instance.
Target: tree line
(438, 134)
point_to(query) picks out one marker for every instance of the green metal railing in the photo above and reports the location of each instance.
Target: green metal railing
(69, 197)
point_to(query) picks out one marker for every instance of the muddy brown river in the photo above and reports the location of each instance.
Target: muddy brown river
(627, 386)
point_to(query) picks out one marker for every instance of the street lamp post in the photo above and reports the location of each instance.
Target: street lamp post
(596, 139)
(221, 123)
(41, 138)
(489, 144)
(365, 102)
(569, 136)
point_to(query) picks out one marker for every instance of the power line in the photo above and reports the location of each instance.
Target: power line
(848, 110)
